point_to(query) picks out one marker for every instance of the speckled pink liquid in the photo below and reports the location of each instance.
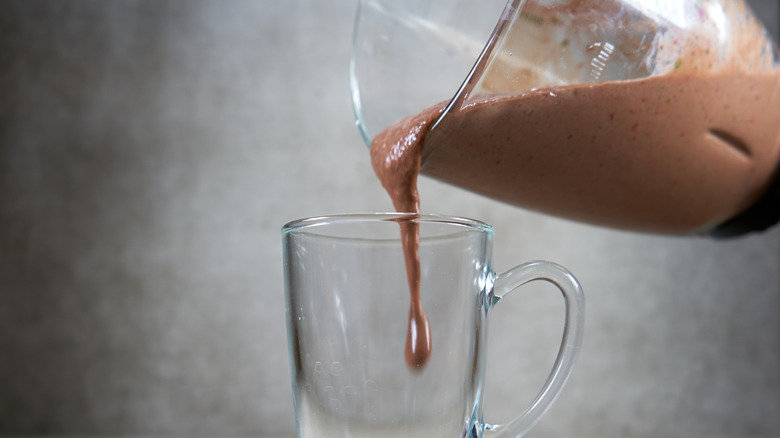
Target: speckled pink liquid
(674, 154)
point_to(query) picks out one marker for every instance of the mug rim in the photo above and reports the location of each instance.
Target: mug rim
(316, 221)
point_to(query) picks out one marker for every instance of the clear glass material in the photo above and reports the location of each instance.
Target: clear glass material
(409, 55)
(347, 302)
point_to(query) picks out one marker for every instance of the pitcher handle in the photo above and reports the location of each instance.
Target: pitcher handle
(574, 322)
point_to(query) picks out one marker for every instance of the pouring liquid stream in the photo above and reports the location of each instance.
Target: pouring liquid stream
(397, 169)
(418, 340)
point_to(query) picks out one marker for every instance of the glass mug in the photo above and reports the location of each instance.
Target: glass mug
(347, 304)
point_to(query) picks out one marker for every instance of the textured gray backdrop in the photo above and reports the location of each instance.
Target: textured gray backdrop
(151, 150)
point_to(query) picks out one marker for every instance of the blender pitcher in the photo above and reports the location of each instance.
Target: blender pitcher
(657, 116)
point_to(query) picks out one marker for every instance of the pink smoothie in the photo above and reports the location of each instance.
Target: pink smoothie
(671, 154)
(676, 153)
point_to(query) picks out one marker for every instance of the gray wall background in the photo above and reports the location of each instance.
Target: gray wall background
(150, 152)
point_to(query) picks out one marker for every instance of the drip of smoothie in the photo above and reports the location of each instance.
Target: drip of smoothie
(396, 162)
(418, 338)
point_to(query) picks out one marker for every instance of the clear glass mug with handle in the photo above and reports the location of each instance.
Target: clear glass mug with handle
(347, 303)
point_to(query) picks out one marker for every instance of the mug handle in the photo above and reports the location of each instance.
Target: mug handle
(574, 323)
